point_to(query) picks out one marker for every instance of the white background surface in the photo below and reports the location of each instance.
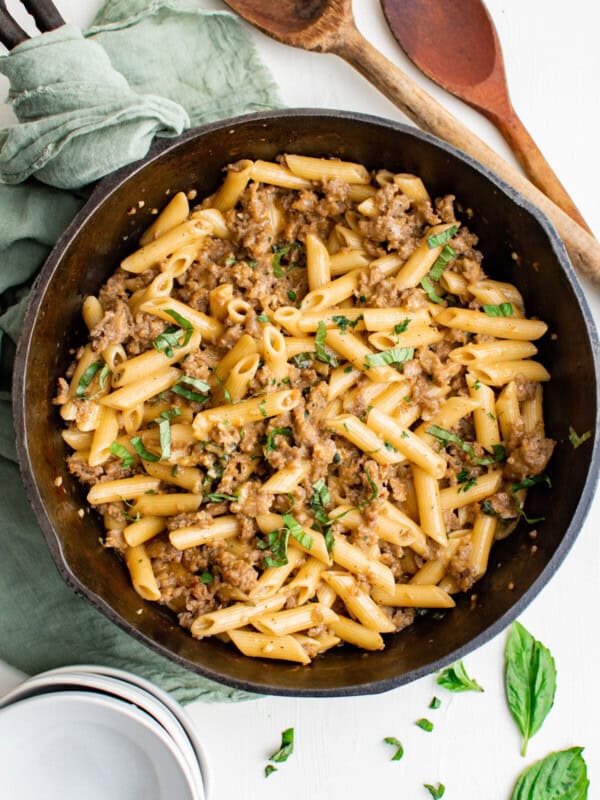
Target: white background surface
(553, 64)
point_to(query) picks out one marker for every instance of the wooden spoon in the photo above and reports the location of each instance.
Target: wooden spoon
(457, 46)
(327, 26)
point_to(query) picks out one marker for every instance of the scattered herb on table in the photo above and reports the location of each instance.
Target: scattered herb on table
(398, 745)
(435, 703)
(456, 679)
(424, 724)
(559, 776)
(436, 792)
(577, 440)
(287, 747)
(530, 681)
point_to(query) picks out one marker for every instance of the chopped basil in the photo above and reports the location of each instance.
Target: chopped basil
(465, 480)
(183, 323)
(262, 407)
(344, 323)
(278, 253)
(277, 542)
(337, 458)
(429, 290)
(269, 770)
(251, 263)
(302, 360)
(167, 340)
(87, 378)
(292, 295)
(104, 373)
(218, 497)
(397, 744)
(322, 354)
(123, 453)
(348, 369)
(424, 724)
(527, 484)
(435, 703)
(530, 681)
(206, 577)
(560, 776)
(230, 261)
(263, 318)
(287, 747)
(437, 792)
(141, 450)
(441, 262)
(487, 508)
(441, 238)
(397, 355)
(175, 471)
(270, 443)
(297, 531)
(390, 446)
(477, 384)
(197, 383)
(164, 428)
(503, 310)
(447, 437)
(402, 326)
(577, 440)
(455, 679)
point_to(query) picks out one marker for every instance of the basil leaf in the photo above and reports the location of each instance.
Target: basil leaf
(123, 453)
(503, 310)
(263, 318)
(530, 681)
(105, 372)
(322, 354)
(397, 744)
(278, 253)
(441, 262)
(262, 407)
(429, 290)
(287, 747)
(187, 393)
(441, 238)
(402, 326)
(270, 443)
(277, 541)
(447, 437)
(436, 792)
(183, 323)
(527, 484)
(424, 724)
(302, 360)
(344, 323)
(577, 440)
(141, 450)
(297, 531)
(269, 770)
(455, 679)
(88, 377)
(435, 703)
(397, 355)
(218, 497)
(206, 577)
(167, 340)
(559, 776)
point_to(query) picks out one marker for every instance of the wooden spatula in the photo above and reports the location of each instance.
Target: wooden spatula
(457, 46)
(327, 26)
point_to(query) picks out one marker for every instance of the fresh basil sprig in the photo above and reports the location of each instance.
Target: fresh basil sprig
(530, 681)
(456, 679)
(559, 776)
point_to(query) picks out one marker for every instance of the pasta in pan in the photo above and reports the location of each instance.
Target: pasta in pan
(304, 411)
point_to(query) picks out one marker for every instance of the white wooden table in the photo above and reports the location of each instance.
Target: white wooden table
(553, 63)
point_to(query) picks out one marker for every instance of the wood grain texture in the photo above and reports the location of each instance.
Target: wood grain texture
(456, 45)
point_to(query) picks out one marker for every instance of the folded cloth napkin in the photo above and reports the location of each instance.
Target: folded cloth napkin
(88, 104)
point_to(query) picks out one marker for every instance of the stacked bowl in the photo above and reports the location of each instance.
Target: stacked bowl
(98, 733)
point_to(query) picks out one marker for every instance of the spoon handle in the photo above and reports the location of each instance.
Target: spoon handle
(533, 162)
(428, 114)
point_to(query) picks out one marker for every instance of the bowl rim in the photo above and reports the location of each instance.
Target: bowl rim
(98, 196)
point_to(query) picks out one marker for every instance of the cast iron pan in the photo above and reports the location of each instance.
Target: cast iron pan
(519, 246)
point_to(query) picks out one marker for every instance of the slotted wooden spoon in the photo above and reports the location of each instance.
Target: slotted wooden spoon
(457, 46)
(327, 26)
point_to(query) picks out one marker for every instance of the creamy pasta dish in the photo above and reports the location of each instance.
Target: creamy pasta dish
(304, 412)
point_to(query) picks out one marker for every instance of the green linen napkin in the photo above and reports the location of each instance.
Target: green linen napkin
(88, 104)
